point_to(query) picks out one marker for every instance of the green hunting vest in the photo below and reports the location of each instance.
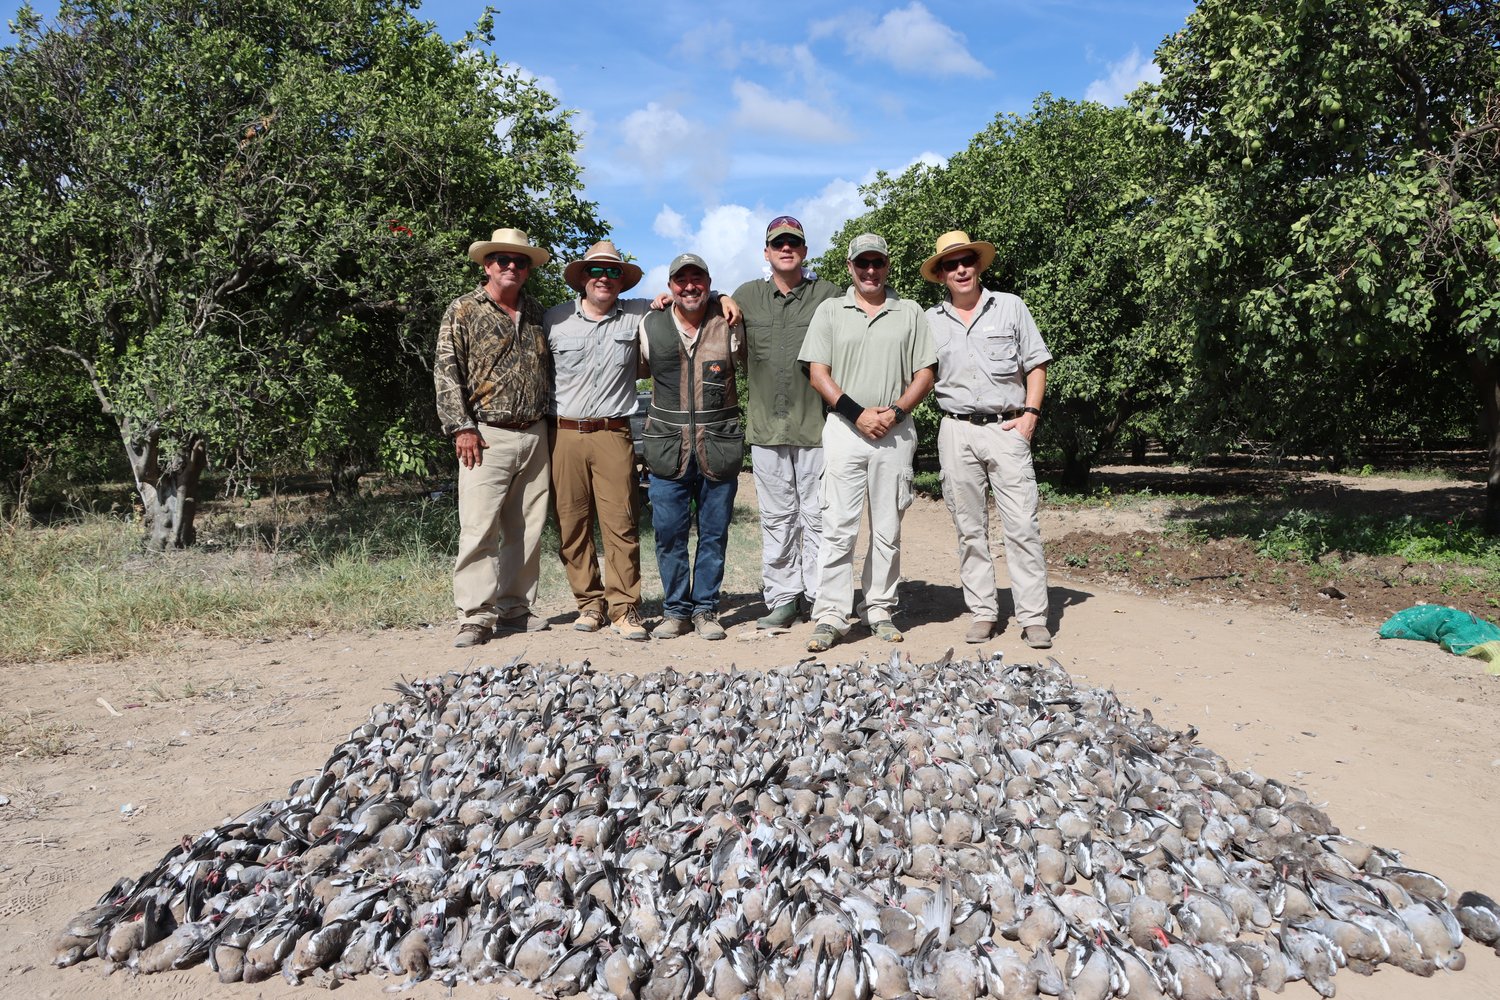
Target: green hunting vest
(694, 408)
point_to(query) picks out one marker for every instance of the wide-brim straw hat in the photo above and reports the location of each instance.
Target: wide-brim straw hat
(508, 241)
(951, 243)
(603, 252)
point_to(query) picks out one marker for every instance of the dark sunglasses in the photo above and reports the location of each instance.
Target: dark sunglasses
(604, 272)
(784, 220)
(506, 260)
(870, 263)
(784, 240)
(967, 260)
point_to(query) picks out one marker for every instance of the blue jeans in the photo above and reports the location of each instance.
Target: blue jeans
(672, 513)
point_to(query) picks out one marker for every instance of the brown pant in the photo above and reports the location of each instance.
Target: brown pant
(593, 475)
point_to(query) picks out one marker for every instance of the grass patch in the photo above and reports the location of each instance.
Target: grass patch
(1102, 496)
(27, 736)
(1301, 535)
(86, 588)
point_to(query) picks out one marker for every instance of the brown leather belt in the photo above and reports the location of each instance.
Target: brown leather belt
(507, 427)
(984, 418)
(590, 426)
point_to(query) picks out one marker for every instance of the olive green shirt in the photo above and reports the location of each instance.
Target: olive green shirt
(783, 408)
(872, 359)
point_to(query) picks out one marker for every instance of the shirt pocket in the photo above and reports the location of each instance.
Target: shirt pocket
(998, 347)
(713, 383)
(623, 344)
(570, 355)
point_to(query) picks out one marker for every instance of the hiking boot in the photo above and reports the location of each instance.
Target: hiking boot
(589, 621)
(782, 616)
(471, 634)
(886, 631)
(671, 628)
(823, 638)
(527, 622)
(979, 630)
(1037, 637)
(629, 626)
(707, 625)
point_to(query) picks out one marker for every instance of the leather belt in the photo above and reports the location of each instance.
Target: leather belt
(590, 426)
(508, 427)
(984, 418)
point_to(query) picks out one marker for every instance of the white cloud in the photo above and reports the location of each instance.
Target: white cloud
(711, 42)
(659, 142)
(812, 80)
(1124, 76)
(649, 130)
(909, 38)
(670, 225)
(547, 83)
(731, 238)
(761, 111)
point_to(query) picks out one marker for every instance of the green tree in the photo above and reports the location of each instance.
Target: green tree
(240, 221)
(1068, 196)
(1339, 238)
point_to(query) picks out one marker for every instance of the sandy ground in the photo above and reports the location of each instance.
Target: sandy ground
(1397, 739)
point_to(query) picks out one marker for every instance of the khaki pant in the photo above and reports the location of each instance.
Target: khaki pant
(502, 507)
(972, 458)
(593, 475)
(855, 467)
(787, 486)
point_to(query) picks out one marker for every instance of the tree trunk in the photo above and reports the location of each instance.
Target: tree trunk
(1076, 470)
(345, 467)
(168, 489)
(1487, 379)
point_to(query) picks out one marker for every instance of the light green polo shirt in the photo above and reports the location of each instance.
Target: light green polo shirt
(782, 406)
(872, 359)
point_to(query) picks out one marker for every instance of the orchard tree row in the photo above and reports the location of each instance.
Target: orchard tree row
(228, 230)
(1291, 240)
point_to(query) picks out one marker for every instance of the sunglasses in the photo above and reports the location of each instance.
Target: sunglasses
(870, 263)
(967, 260)
(505, 260)
(604, 272)
(783, 241)
(784, 220)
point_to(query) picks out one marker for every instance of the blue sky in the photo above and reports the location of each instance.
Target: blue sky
(702, 121)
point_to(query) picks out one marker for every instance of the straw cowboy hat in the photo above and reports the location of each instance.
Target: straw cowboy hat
(508, 241)
(951, 243)
(604, 253)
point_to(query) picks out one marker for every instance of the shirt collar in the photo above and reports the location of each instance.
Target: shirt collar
(614, 311)
(987, 298)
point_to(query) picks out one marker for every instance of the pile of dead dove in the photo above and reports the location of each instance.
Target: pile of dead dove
(950, 829)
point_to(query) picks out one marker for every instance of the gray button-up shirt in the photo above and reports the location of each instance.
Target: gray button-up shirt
(595, 360)
(982, 366)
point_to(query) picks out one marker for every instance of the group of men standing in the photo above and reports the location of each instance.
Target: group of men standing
(533, 399)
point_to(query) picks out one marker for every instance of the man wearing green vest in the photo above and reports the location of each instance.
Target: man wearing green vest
(693, 444)
(785, 422)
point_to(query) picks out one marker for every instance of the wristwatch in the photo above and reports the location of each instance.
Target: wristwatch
(900, 413)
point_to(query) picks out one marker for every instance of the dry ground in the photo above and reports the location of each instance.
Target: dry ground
(1398, 739)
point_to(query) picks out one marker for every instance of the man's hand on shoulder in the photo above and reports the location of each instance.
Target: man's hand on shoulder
(732, 312)
(469, 445)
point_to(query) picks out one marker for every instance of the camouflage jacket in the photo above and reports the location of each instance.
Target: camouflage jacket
(487, 371)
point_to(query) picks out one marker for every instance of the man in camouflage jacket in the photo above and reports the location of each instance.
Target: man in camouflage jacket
(493, 378)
